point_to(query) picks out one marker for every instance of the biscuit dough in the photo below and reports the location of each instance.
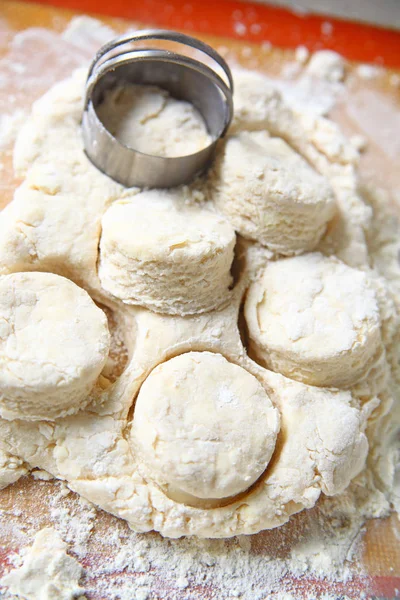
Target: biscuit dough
(147, 119)
(54, 224)
(194, 426)
(272, 195)
(259, 106)
(314, 319)
(173, 260)
(54, 343)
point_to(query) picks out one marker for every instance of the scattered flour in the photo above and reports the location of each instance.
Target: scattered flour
(321, 544)
(314, 83)
(328, 65)
(369, 71)
(9, 126)
(302, 54)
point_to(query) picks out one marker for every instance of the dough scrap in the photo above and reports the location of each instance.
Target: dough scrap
(325, 437)
(11, 469)
(148, 119)
(169, 259)
(314, 319)
(54, 343)
(48, 572)
(204, 426)
(271, 195)
(328, 65)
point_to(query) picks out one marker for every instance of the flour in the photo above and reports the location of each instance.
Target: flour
(369, 71)
(328, 65)
(9, 127)
(247, 567)
(365, 101)
(150, 566)
(395, 80)
(47, 571)
(313, 84)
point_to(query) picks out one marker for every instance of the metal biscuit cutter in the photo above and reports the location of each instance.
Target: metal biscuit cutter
(184, 77)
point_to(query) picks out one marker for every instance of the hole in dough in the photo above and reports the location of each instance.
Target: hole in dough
(203, 428)
(239, 263)
(118, 355)
(171, 260)
(54, 343)
(314, 319)
(242, 327)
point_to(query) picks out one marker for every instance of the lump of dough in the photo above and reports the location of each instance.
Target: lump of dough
(204, 426)
(148, 119)
(314, 319)
(170, 260)
(54, 342)
(327, 65)
(255, 99)
(324, 447)
(271, 194)
(47, 571)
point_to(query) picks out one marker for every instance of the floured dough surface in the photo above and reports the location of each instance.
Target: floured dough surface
(148, 119)
(204, 426)
(170, 259)
(325, 445)
(162, 265)
(314, 319)
(272, 195)
(54, 342)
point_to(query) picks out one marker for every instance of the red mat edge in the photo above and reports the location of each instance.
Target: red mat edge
(255, 23)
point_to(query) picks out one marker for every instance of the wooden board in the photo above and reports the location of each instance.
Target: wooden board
(381, 550)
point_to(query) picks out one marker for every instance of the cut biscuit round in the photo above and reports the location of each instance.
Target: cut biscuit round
(314, 319)
(54, 342)
(203, 427)
(271, 194)
(171, 260)
(147, 118)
